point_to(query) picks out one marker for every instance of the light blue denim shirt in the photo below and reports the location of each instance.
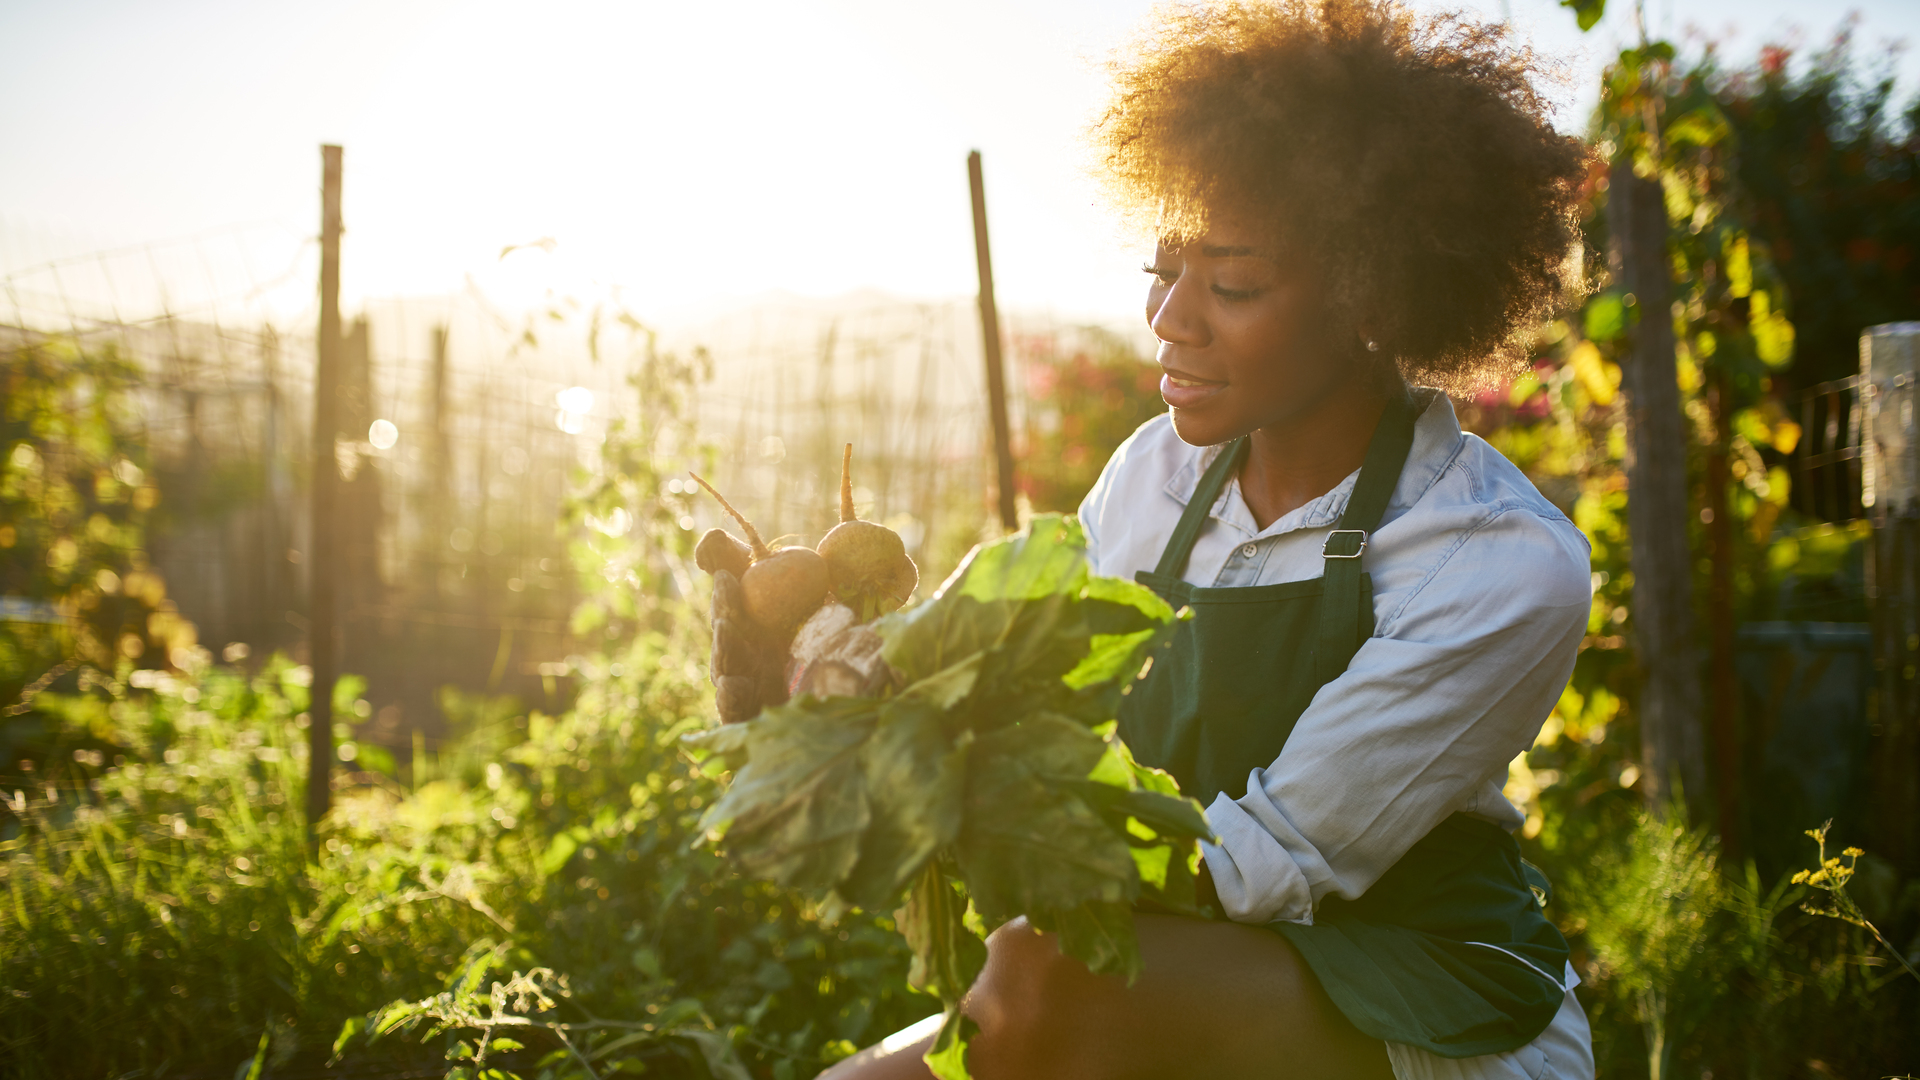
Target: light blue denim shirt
(1481, 591)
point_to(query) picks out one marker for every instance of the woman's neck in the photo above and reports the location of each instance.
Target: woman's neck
(1292, 463)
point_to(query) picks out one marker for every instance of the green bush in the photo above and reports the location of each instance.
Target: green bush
(162, 913)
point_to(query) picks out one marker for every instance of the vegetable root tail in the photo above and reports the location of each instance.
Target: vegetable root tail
(846, 483)
(760, 549)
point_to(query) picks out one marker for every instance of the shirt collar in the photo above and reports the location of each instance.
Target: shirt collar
(1436, 439)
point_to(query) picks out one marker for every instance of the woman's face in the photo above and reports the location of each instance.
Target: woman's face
(1243, 340)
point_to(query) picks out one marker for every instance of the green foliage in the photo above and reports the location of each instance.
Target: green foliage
(1686, 965)
(1691, 967)
(990, 785)
(166, 913)
(530, 1004)
(161, 912)
(1831, 876)
(162, 897)
(1080, 405)
(1827, 162)
(74, 502)
(1586, 12)
(541, 899)
(1660, 895)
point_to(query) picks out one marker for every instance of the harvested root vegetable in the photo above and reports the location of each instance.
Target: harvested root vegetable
(779, 588)
(834, 656)
(866, 561)
(721, 550)
(736, 698)
(739, 664)
(785, 587)
(810, 642)
(981, 780)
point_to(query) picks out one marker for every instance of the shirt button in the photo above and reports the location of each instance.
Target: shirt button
(1248, 551)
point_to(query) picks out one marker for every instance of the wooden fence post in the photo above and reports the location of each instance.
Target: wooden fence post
(1890, 494)
(1725, 713)
(440, 486)
(990, 335)
(1657, 510)
(321, 644)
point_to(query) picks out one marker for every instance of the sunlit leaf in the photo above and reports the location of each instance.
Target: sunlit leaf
(947, 1057)
(1586, 12)
(915, 775)
(1100, 935)
(795, 811)
(1606, 317)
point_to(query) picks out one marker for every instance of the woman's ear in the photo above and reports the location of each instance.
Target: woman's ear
(1369, 335)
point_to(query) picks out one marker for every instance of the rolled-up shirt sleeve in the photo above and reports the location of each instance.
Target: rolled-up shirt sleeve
(1456, 679)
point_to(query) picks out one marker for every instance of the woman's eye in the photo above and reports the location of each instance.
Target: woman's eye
(1164, 275)
(1225, 293)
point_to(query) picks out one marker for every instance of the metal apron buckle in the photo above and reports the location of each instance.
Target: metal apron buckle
(1361, 550)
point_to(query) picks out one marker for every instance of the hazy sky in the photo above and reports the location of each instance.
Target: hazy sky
(688, 152)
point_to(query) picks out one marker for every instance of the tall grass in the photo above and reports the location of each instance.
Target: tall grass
(162, 914)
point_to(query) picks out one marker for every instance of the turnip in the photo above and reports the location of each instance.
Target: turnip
(780, 588)
(721, 550)
(866, 561)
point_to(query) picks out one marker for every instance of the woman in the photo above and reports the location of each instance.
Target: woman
(1385, 609)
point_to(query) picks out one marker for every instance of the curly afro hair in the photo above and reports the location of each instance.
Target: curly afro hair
(1407, 158)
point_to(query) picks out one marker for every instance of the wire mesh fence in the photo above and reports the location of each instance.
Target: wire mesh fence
(466, 427)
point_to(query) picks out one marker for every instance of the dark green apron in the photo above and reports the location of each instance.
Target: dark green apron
(1450, 949)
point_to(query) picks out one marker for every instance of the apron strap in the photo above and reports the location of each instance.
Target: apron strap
(1173, 558)
(1340, 585)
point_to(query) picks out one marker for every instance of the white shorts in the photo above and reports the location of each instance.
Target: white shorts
(1562, 1052)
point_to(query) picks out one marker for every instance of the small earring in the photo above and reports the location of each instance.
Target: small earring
(1372, 345)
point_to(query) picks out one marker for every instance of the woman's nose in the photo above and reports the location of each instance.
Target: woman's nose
(1176, 318)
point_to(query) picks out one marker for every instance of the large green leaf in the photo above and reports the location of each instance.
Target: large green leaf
(947, 1057)
(1041, 623)
(1111, 656)
(984, 603)
(1127, 594)
(1039, 638)
(915, 779)
(718, 749)
(1029, 842)
(1047, 559)
(947, 956)
(1168, 817)
(795, 811)
(1099, 934)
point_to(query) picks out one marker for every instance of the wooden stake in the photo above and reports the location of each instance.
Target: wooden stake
(440, 489)
(1725, 716)
(322, 554)
(1657, 509)
(990, 337)
(1889, 360)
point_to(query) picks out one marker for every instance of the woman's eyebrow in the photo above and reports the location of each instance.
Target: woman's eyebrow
(1225, 252)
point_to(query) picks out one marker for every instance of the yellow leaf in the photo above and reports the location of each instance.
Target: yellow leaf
(1772, 332)
(1598, 376)
(1786, 436)
(1523, 388)
(1687, 372)
(1739, 268)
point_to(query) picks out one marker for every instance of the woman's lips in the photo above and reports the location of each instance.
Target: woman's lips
(1185, 392)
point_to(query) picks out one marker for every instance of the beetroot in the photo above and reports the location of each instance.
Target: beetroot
(780, 588)
(866, 561)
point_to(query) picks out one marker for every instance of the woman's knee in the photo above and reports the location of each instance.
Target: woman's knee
(1041, 1014)
(1019, 992)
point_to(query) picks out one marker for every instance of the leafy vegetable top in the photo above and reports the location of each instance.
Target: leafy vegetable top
(989, 786)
